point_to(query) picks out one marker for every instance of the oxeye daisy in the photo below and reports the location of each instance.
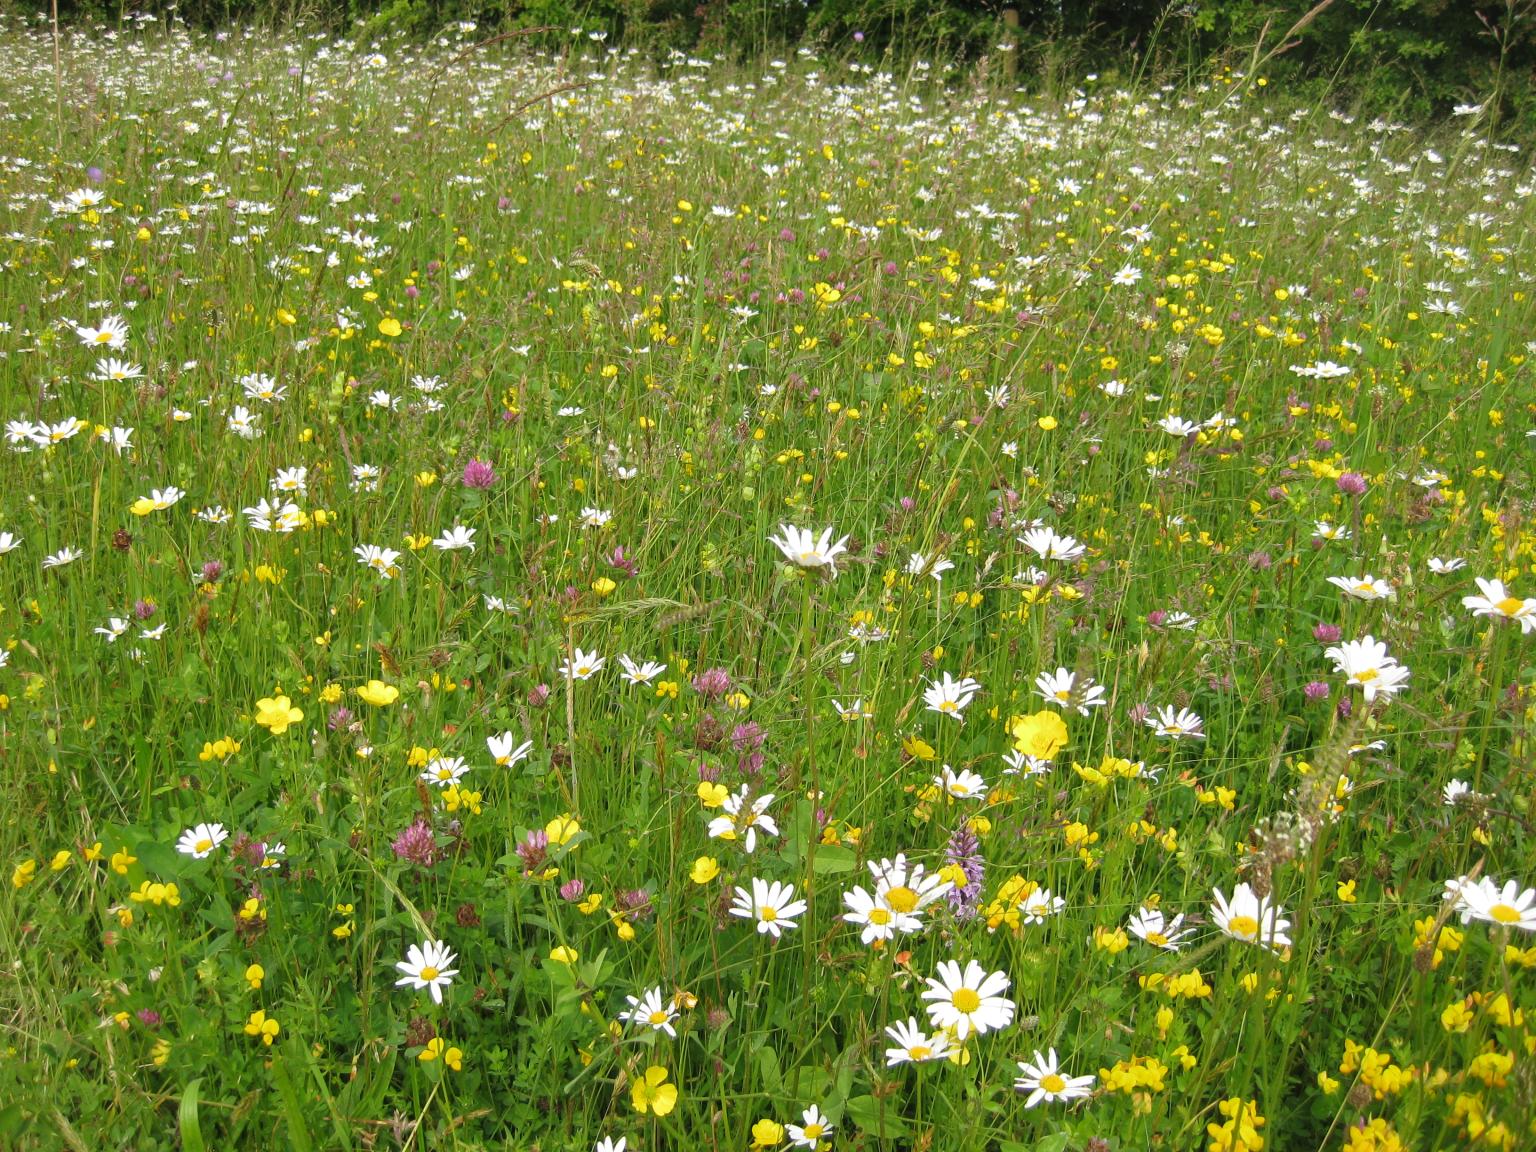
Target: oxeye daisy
(1176, 725)
(111, 334)
(1507, 905)
(913, 1045)
(1366, 665)
(1046, 544)
(876, 920)
(811, 1131)
(505, 750)
(1065, 689)
(805, 551)
(771, 904)
(907, 889)
(1497, 601)
(1365, 587)
(968, 1000)
(444, 771)
(651, 1010)
(581, 665)
(742, 818)
(633, 673)
(427, 966)
(200, 841)
(1156, 930)
(1043, 1080)
(962, 785)
(949, 697)
(1251, 918)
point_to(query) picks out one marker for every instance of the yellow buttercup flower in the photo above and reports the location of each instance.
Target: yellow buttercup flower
(276, 714)
(1041, 735)
(651, 1093)
(378, 693)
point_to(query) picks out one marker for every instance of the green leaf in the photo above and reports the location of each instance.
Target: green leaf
(876, 1118)
(834, 859)
(293, 1108)
(187, 1123)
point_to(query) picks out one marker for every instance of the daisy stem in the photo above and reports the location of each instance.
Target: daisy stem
(1500, 644)
(570, 717)
(808, 946)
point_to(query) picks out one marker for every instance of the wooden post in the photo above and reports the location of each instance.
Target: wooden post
(1011, 39)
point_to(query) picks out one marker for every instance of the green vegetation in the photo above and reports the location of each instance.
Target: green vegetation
(551, 601)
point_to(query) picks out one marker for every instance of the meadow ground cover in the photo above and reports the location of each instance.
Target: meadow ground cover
(555, 601)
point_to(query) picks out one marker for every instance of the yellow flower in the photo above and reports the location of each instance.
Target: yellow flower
(378, 693)
(150, 892)
(120, 861)
(918, 749)
(1457, 1017)
(254, 976)
(261, 1025)
(24, 873)
(1041, 735)
(652, 1093)
(1347, 892)
(712, 795)
(1046, 423)
(564, 955)
(277, 714)
(704, 869)
(603, 586)
(389, 326)
(767, 1133)
(561, 829)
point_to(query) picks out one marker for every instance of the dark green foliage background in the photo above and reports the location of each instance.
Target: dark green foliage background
(1416, 59)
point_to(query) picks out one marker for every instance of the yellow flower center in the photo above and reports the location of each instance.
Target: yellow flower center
(584, 671)
(1157, 938)
(1063, 695)
(919, 1051)
(879, 916)
(902, 898)
(203, 845)
(658, 1018)
(1244, 926)
(429, 973)
(1366, 676)
(966, 1000)
(1053, 1083)
(813, 1131)
(103, 337)
(768, 915)
(1505, 914)
(947, 706)
(1509, 605)
(1367, 589)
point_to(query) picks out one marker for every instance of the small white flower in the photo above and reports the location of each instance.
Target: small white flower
(199, 842)
(772, 905)
(427, 966)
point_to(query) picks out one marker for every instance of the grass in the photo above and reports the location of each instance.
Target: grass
(622, 322)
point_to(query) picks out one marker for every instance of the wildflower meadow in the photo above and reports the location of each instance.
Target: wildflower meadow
(561, 598)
